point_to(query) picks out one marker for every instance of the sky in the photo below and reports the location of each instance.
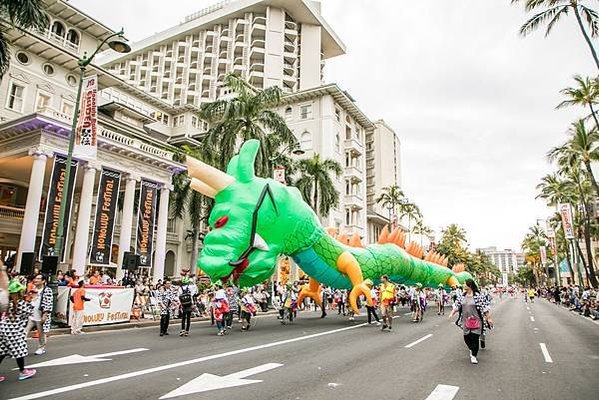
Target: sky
(472, 101)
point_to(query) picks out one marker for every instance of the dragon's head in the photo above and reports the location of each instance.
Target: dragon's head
(249, 221)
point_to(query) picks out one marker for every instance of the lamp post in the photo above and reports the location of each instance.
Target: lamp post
(293, 148)
(118, 44)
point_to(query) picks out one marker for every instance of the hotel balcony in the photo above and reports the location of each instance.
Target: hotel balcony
(354, 145)
(354, 200)
(62, 40)
(353, 172)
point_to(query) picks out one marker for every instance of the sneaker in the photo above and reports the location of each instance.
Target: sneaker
(378, 323)
(389, 327)
(186, 333)
(221, 333)
(181, 333)
(26, 374)
(40, 351)
(166, 333)
(161, 333)
(473, 360)
(2, 378)
(482, 344)
(383, 327)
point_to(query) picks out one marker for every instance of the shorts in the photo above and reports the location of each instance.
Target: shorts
(386, 310)
(246, 316)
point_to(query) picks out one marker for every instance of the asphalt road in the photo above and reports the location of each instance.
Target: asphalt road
(329, 358)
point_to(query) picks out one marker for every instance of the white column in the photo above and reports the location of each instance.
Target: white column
(160, 253)
(83, 220)
(32, 206)
(126, 223)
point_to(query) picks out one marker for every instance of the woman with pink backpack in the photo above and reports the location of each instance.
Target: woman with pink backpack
(473, 309)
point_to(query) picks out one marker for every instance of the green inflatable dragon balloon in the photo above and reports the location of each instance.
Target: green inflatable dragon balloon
(254, 220)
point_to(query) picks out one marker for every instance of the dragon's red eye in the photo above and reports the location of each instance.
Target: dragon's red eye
(222, 221)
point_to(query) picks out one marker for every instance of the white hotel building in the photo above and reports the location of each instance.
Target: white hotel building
(148, 105)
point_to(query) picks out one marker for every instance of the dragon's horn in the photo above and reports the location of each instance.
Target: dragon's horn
(394, 234)
(207, 174)
(459, 268)
(384, 236)
(343, 238)
(201, 187)
(400, 240)
(355, 241)
(332, 231)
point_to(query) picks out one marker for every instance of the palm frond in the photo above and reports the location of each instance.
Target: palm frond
(533, 23)
(592, 18)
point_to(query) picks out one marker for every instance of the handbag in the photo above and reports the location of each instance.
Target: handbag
(472, 323)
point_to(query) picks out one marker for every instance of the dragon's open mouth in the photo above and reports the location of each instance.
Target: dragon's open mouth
(244, 261)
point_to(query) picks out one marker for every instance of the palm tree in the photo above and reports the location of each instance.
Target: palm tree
(390, 197)
(410, 210)
(554, 10)
(581, 148)
(586, 95)
(453, 245)
(246, 115)
(421, 229)
(316, 185)
(24, 14)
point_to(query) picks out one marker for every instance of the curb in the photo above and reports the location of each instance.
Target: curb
(135, 324)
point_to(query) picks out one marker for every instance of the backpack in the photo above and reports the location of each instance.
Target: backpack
(185, 298)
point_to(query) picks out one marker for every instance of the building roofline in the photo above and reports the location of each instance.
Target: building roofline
(337, 47)
(341, 96)
(66, 4)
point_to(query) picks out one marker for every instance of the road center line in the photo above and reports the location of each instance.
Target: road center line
(532, 319)
(548, 358)
(177, 365)
(443, 392)
(418, 341)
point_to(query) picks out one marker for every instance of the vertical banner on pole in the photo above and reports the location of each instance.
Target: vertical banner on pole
(145, 223)
(567, 222)
(86, 130)
(53, 201)
(108, 194)
(543, 252)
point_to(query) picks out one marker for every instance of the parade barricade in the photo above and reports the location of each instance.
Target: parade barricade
(108, 305)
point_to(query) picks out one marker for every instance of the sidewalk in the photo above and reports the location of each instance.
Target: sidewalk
(144, 323)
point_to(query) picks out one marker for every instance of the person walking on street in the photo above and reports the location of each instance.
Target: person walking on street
(248, 309)
(187, 293)
(220, 309)
(165, 299)
(78, 299)
(473, 309)
(440, 295)
(387, 290)
(13, 343)
(42, 301)
(531, 295)
(372, 309)
(233, 300)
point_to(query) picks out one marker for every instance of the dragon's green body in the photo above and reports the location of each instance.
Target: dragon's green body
(254, 220)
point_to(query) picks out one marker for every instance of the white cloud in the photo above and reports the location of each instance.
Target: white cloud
(472, 101)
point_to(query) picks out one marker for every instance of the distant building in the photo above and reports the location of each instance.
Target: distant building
(506, 260)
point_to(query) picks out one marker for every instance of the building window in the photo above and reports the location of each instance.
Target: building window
(306, 141)
(337, 143)
(15, 97)
(58, 29)
(23, 58)
(338, 114)
(306, 111)
(179, 121)
(73, 37)
(288, 114)
(347, 217)
(66, 107)
(43, 100)
(165, 119)
(72, 81)
(194, 121)
(48, 69)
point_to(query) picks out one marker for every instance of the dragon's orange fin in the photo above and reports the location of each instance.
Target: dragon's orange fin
(332, 231)
(400, 240)
(459, 268)
(343, 238)
(384, 236)
(355, 241)
(394, 235)
(415, 250)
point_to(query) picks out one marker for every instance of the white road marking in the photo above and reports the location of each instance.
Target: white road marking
(532, 319)
(408, 313)
(418, 341)
(443, 392)
(548, 358)
(527, 307)
(207, 382)
(79, 359)
(177, 365)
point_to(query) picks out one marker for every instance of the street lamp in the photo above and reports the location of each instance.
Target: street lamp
(293, 148)
(118, 43)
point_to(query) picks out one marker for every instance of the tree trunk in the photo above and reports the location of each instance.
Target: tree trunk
(594, 115)
(194, 251)
(316, 197)
(584, 33)
(587, 241)
(587, 164)
(584, 263)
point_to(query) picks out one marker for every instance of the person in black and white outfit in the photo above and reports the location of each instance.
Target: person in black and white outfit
(473, 308)
(166, 296)
(187, 293)
(42, 301)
